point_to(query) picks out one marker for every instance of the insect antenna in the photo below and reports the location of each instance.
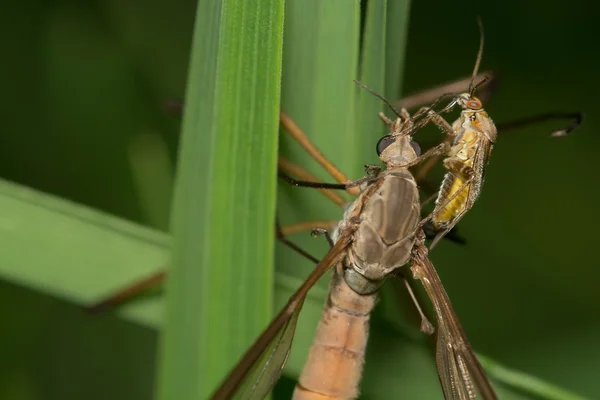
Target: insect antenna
(472, 87)
(380, 97)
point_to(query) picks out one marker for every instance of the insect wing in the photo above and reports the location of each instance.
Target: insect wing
(460, 374)
(267, 368)
(258, 370)
(452, 369)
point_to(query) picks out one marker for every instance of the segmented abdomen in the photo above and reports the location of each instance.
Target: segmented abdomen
(335, 362)
(445, 213)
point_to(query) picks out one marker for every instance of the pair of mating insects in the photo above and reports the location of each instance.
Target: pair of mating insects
(381, 231)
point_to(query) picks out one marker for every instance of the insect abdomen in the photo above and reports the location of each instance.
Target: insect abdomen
(452, 183)
(335, 361)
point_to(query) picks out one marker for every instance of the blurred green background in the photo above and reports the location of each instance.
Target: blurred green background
(83, 85)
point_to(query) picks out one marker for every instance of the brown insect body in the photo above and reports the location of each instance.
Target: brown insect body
(335, 362)
(384, 219)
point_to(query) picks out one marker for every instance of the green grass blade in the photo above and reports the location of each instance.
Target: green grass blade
(372, 74)
(398, 13)
(320, 62)
(219, 295)
(81, 254)
(525, 383)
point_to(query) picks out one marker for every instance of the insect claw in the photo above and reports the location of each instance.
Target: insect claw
(426, 327)
(560, 133)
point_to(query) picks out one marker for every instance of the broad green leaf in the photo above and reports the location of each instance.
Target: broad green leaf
(320, 62)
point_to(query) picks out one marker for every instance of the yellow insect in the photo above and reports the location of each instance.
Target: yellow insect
(474, 135)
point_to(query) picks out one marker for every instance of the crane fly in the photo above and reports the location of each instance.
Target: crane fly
(380, 232)
(387, 236)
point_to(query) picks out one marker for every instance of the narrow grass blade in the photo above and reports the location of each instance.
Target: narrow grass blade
(321, 46)
(219, 294)
(524, 383)
(372, 74)
(398, 13)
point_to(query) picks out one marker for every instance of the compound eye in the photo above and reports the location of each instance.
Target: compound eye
(383, 143)
(416, 147)
(474, 104)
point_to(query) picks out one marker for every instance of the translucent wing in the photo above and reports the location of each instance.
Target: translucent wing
(267, 368)
(258, 370)
(461, 375)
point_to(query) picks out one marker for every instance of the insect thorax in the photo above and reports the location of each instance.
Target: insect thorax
(388, 213)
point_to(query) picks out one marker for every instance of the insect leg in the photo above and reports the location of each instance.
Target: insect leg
(441, 123)
(385, 119)
(322, 185)
(576, 117)
(127, 293)
(293, 129)
(307, 226)
(441, 148)
(403, 113)
(426, 325)
(437, 119)
(290, 168)
(320, 231)
(459, 167)
(428, 96)
(279, 234)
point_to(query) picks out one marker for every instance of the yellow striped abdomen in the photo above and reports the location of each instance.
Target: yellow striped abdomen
(453, 186)
(453, 182)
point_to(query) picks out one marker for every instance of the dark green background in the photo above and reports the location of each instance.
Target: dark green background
(82, 86)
